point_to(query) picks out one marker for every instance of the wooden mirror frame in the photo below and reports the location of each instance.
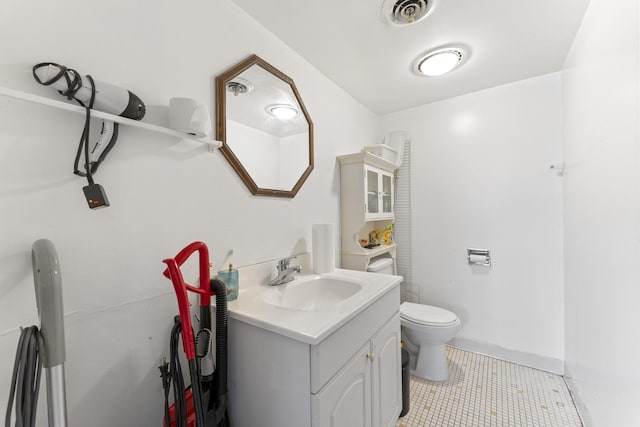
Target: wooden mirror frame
(221, 128)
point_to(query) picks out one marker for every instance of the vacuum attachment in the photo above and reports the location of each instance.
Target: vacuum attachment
(48, 286)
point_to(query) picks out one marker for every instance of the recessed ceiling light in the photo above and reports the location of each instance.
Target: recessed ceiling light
(282, 111)
(439, 61)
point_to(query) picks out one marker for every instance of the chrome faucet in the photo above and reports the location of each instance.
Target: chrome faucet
(285, 273)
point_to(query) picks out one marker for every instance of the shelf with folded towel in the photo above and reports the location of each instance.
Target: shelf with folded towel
(360, 260)
(12, 93)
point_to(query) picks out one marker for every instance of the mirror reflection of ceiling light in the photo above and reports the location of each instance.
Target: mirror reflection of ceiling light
(282, 111)
(439, 61)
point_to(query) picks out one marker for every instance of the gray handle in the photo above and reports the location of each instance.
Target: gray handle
(283, 264)
(48, 284)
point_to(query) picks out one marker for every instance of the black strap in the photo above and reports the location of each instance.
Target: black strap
(73, 86)
(110, 144)
(84, 138)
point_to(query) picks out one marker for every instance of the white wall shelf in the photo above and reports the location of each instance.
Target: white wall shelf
(212, 143)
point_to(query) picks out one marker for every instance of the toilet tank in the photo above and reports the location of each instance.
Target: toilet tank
(381, 265)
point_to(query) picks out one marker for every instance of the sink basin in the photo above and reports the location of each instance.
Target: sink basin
(310, 308)
(312, 294)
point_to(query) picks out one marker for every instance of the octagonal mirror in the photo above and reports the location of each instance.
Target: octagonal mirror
(266, 132)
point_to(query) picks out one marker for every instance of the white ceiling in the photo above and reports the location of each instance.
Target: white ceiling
(349, 42)
(250, 108)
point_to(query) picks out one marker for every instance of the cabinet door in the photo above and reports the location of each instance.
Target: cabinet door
(346, 400)
(372, 192)
(387, 374)
(386, 194)
(378, 193)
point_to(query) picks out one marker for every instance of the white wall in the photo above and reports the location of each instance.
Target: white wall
(273, 162)
(258, 151)
(294, 152)
(481, 178)
(164, 193)
(602, 213)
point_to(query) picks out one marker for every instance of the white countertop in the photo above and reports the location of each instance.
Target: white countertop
(310, 327)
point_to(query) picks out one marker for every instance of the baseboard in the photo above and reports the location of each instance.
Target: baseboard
(544, 363)
(577, 400)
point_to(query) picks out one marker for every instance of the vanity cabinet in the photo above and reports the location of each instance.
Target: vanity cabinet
(346, 400)
(366, 392)
(350, 378)
(367, 194)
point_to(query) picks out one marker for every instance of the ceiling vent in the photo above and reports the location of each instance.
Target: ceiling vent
(239, 86)
(406, 12)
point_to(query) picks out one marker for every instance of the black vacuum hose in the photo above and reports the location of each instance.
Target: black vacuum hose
(219, 287)
(25, 382)
(175, 377)
(196, 392)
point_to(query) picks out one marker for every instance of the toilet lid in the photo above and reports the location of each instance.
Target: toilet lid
(426, 314)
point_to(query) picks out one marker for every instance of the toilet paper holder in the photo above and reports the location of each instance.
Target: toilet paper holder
(479, 257)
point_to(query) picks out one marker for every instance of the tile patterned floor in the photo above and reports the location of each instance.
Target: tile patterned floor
(485, 392)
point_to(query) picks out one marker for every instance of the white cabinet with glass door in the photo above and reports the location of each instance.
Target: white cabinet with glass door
(378, 193)
(367, 186)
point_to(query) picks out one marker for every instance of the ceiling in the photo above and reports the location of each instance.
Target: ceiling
(350, 42)
(251, 108)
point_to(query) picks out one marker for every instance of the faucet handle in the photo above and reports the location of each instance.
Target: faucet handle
(283, 264)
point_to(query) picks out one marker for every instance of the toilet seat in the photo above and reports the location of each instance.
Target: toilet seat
(427, 315)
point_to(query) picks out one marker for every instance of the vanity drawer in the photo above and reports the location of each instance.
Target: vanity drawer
(335, 351)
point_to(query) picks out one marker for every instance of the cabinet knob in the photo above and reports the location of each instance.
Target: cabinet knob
(370, 356)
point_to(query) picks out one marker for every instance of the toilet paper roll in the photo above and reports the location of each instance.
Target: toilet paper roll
(478, 259)
(323, 248)
(189, 116)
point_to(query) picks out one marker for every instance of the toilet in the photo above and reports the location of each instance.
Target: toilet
(425, 330)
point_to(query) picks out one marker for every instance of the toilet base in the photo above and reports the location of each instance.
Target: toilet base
(431, 363)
